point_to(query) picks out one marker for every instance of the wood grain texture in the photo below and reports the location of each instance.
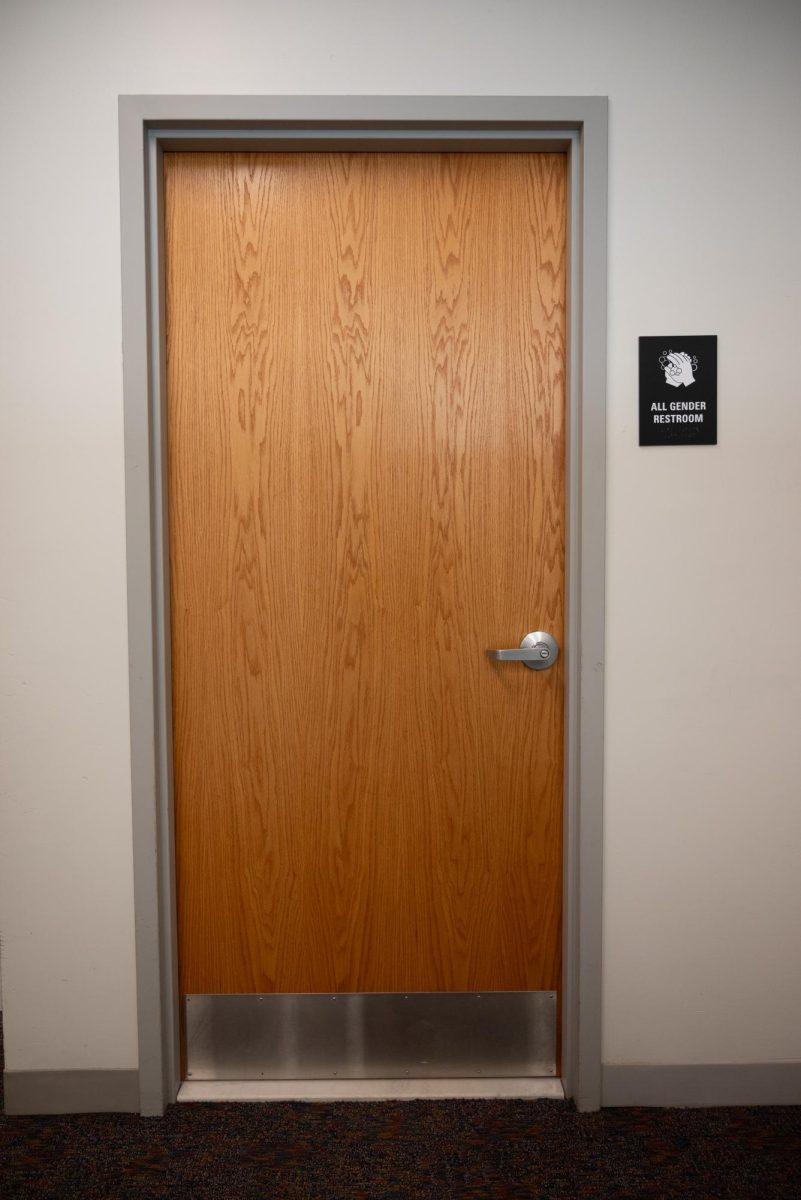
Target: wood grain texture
(366, 378)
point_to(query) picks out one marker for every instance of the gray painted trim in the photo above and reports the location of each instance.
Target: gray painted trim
(346, 112)
(586, 593)
(147, 125)
(436, 139)
(154, 902)
(161, 606)
(141, 630)
(40, 1092)
(701, 1085)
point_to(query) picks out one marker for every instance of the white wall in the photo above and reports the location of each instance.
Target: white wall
(703, 799)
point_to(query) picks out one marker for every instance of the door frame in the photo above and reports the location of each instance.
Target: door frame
(151, 125)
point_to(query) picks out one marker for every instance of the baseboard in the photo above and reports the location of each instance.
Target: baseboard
(44, 1092)
(700, 1085)
(693, 1086)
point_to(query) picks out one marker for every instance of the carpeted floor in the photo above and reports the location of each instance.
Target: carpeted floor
(420, 1149)
(402, 1151)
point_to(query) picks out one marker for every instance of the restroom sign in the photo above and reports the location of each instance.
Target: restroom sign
(679, 390)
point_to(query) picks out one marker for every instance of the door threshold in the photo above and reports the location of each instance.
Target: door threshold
(313, 1091)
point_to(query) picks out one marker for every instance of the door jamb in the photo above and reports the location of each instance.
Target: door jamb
(149, 125)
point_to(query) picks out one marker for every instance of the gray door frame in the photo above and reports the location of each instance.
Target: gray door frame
(148, 126)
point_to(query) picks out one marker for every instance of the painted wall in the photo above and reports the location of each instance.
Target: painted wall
(703, 788)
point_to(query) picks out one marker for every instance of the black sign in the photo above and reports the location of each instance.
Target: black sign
(678, 391)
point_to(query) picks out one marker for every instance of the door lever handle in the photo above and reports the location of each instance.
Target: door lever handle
(537, 651)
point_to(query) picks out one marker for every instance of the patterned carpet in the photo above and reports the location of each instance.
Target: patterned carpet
(504, 1149)
(428, 1149)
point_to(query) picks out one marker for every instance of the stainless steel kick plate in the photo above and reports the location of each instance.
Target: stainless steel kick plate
(371, 1035)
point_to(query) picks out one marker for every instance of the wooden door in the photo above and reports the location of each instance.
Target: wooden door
(366, 377)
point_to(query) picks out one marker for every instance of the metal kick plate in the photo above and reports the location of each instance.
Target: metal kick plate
(375, 1035)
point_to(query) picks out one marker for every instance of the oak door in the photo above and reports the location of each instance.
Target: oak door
(366, 394)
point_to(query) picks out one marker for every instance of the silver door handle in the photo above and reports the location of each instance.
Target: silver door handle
(538, 651)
